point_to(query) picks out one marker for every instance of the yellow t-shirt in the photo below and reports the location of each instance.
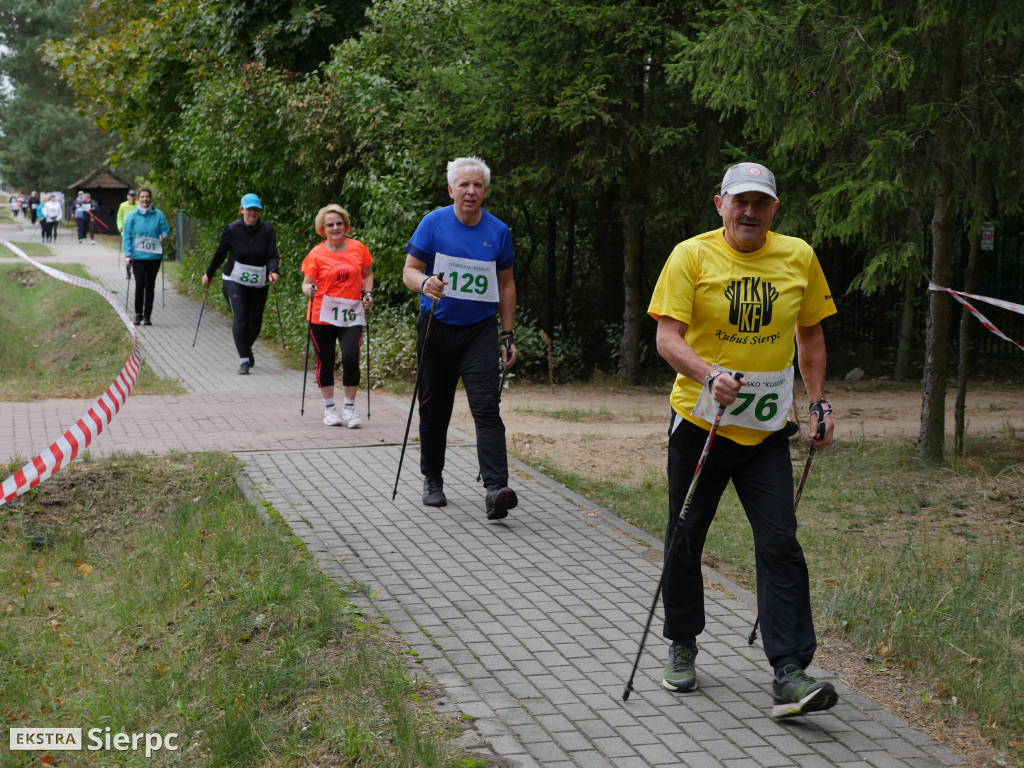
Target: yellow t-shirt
(741, 309)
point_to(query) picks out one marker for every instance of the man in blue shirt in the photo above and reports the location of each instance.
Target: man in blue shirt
(460, 259)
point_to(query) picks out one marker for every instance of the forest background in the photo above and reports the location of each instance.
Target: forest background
(894, 131)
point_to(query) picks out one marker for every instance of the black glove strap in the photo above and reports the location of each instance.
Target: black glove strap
(821, 409)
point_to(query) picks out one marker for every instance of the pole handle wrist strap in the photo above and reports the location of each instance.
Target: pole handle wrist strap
(709, 380)
(424, 283)
(821, 408)
(507, 343)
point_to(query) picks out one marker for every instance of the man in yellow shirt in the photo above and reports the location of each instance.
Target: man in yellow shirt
(736, 299)
(125, 208)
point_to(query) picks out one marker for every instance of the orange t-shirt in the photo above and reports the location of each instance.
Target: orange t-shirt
(336, 273)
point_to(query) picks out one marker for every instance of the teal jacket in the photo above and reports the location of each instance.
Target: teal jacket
(142, 230)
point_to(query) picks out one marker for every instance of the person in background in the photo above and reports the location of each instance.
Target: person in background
(248, 251)
(82, 208)
(33, 206)
(53, 212)
(127, 206)
(145, 230)
(337, 277)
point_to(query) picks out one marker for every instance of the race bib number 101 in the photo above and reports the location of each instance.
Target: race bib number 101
(144, 244)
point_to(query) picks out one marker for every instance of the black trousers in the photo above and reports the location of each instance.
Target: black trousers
(324, 335)
(763, 478)
(469, 352)
(145, 271)
(247, 306)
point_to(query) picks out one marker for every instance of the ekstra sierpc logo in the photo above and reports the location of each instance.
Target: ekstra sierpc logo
(95, 739)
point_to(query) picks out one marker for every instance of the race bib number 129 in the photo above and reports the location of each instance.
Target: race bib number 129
(468, 279)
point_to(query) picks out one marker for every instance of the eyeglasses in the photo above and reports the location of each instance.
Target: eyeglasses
(332, 224)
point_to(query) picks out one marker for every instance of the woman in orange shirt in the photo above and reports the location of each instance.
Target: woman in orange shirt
(337, 276)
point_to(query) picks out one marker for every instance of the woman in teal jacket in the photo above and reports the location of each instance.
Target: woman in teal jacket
(145, 230)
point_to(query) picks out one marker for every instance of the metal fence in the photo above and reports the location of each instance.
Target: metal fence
(1000, 275)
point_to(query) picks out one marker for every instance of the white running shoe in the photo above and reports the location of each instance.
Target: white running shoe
(352, 420)
(331, 416)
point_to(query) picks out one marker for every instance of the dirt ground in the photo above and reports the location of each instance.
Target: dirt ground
(620, 433)
(614, 432)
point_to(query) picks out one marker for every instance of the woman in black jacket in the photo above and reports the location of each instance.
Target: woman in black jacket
(250, 248)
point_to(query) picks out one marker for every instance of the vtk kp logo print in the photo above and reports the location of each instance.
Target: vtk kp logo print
(750, 303)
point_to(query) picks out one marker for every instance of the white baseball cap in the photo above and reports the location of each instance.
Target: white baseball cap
(749, 177)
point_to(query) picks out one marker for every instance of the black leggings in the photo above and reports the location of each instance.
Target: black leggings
(145, 271)
(324, 336)
(247, 310)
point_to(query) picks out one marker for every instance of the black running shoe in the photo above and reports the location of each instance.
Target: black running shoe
(498, 501)
(798, 693)
(243, 369)
(433, 492)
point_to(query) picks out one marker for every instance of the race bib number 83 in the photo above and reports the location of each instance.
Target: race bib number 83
(253, 277)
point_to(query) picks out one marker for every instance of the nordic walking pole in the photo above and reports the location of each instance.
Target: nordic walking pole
(367, 367)
(128, 285)
(415, 389)
(309, 335)
(205, 291)
(628, 689)
(280, 325)
(507, 342)
(796, 502)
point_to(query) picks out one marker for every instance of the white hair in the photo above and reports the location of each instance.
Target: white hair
(460, 164)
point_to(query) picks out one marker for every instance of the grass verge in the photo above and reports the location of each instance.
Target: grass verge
(145, 595)
(33, 250)
(920, 568)
(63, 341)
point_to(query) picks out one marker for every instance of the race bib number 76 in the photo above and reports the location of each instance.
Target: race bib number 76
(763, 403)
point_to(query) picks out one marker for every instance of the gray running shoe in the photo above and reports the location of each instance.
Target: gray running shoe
(681, 671)
(433, 492)
(798, 693)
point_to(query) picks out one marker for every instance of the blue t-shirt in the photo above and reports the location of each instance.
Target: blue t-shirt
(441, 231)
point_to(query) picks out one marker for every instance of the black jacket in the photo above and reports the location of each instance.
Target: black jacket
(255, 246)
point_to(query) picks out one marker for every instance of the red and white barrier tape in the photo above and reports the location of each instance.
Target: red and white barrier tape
(959, 296)
(78, 437)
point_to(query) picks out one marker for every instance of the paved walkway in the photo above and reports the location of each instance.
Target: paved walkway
(531, 624)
